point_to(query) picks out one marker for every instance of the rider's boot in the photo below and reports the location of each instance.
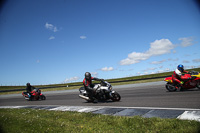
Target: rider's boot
(179, 87)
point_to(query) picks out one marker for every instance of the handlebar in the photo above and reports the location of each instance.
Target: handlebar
(103, 83)
(193, 72)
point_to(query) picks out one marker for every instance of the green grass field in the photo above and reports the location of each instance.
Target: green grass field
(33, 120)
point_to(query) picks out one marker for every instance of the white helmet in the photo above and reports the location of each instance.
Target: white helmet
(178, 72)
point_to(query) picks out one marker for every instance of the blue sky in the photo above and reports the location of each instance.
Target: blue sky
(57, 41)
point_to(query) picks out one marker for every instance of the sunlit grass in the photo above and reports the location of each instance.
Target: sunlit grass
(30, 120)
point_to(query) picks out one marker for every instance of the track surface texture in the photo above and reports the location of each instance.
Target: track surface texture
(151, 94)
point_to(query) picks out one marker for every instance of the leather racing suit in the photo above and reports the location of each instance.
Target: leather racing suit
(89, 86)
(176, 76)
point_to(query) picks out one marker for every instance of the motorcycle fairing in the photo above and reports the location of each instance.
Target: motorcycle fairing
(168, 79)
(197, 75)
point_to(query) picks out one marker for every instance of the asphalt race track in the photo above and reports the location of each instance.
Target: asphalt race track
(135, 95)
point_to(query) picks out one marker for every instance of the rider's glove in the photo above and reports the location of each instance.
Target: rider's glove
(182, 82)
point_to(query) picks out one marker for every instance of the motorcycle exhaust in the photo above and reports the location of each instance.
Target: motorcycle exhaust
(84, 97)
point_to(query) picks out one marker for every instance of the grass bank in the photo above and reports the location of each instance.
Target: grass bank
(30, 120)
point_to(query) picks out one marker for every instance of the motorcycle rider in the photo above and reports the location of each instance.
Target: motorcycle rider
(176, 76)
(87, 82)
(29, 88)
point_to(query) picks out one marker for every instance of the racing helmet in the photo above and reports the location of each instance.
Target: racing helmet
(87, 76)
(180, 67)
(28, 84)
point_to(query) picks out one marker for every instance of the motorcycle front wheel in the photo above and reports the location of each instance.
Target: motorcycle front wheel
(42, 97)
(115, 97)
(170, 87)
(198, 85)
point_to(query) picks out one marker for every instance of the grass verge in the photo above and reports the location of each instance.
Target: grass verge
(32, 120)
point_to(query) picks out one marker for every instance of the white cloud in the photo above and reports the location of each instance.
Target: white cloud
(160, 71)
(51, 27)
(107, 69)
(158, 47)
(145, 73)
(167, 69)
(186, 55)
(157, 62)
(196, 60)
(94, 74)
(170, 59)
(187, 41)
(186, 61)
(174, 51)
(138, 73)
(51, 37)
(189, 67)
(71, 79)
(150, 69)
(83, 37)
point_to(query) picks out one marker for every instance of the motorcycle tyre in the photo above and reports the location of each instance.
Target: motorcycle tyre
(42, 97)
(198, 85)
(170, 88)
(91, 101)
(116, 97)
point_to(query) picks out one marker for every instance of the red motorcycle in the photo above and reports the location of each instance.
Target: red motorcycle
(192, 80)
(34, 95)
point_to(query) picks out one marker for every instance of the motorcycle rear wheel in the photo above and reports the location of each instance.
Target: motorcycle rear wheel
(170, 87)
(115, 97)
